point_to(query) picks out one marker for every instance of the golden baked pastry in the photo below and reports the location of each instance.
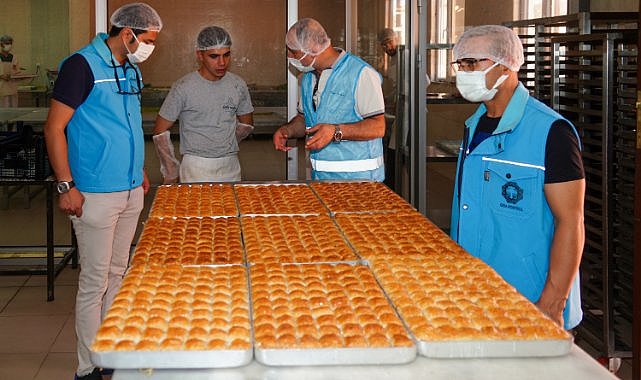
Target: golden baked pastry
(311, 319)
(224, 324)
(189, 241)
(342, 197)
(205, 199)
(478, 306)
(294, 239)
(394, 233)
(278, 199)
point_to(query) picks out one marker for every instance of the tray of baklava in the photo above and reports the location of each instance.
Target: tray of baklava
(324, 314)
(359, 197)
(456, 306)
(278, 198)
(198, 199)
(403, 233)
(177, 317)
(294, 239)
(189, 241)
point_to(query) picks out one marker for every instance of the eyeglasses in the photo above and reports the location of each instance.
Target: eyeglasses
(467, 64)
(135, 87)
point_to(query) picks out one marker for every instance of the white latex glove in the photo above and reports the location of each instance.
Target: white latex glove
(169, 165)
(243, 130)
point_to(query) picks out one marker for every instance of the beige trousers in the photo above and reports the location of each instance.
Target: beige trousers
(104, 233)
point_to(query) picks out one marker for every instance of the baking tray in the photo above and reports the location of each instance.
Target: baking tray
(172, 359)
(154, 250)
(335, 356)
(176, 358)
(305, 202)
(167, 207)
(345, 355)
(495, 349)
(413, 299)
(262, 244)
(359, 197)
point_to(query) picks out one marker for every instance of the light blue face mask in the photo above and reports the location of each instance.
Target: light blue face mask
(299, 66)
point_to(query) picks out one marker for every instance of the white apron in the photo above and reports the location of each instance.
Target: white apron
(202, 169)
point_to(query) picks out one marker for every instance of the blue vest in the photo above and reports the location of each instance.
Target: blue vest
(499, 212)
(104, 136)
(347, 159)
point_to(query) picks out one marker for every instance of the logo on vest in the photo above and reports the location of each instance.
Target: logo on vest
(512, 193)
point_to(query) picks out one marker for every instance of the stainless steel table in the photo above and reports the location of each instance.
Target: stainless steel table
(52, 269)
(34, 116)
(576, 365)
(7, 115)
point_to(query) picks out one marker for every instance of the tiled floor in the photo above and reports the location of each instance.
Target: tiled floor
(37, 338)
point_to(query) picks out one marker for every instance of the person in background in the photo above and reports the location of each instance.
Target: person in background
(518, 197)
(8, 86)
(96, 148)
(215, 112)
(340, 108)
(388, 39)
(388, 67)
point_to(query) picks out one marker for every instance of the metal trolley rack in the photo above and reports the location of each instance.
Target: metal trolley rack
(536, 34)
(584, 66)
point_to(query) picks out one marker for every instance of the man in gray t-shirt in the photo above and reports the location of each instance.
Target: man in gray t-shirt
(210, 104)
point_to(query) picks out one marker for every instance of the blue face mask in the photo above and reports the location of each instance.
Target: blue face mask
(299, 66)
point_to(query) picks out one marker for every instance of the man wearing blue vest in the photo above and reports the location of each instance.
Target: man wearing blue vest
(96, 148)
(518, 197)
(341, 107)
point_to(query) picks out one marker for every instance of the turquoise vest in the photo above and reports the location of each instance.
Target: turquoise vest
(347, 159)
(104, 136)
(500, 214)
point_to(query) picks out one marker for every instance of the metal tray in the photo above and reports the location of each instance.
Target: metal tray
(495, 348)
(172, 359)
(335, 356)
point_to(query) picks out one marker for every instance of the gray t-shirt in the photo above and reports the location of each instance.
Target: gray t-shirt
(207, 113)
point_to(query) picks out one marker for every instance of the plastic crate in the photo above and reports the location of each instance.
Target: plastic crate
(23, 157)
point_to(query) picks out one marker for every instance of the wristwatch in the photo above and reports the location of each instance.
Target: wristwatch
(338, 134)
(65, 186)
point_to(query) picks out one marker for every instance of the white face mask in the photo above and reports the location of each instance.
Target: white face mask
(299, 66)
(471, 85)
(143, 51)
(7, 47)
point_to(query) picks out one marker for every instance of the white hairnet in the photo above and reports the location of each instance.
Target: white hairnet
(496, 42)
(137, 16)
(307, 35)
(386, 35)
(213, 37)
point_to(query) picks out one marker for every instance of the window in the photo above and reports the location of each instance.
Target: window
(543, 8)
(396, 19)
(446, 24)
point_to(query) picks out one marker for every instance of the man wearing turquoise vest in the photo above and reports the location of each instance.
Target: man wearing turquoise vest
(341, 108)
(96, 148)
(518, 197)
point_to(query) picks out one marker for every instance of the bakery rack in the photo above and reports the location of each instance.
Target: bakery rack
(536, 35)
(585, 89)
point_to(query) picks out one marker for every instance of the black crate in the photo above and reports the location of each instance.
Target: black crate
(23, 157)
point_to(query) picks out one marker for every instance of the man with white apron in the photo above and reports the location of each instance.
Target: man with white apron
(214, 109)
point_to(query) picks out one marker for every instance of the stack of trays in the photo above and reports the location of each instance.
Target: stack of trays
(337, 273)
